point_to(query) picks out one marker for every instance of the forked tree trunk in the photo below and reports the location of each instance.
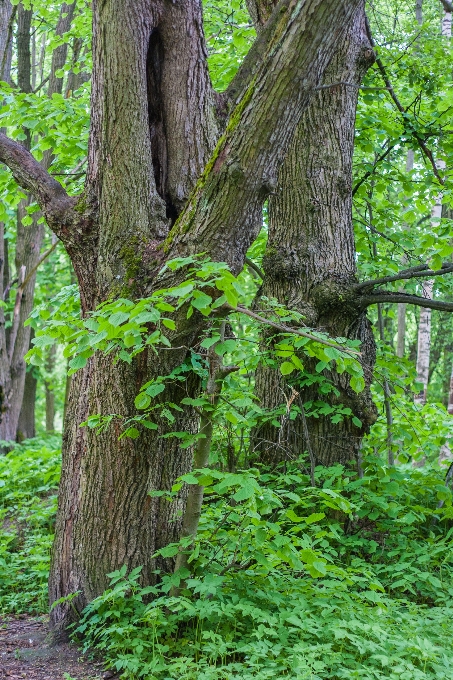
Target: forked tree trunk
(144, 159)
(106, 517)
(309, 263)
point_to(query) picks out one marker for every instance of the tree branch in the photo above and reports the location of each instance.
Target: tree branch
(288, 329)
(31, 176)
(354, 85)
(412, 273)
(226, 205)
(447, 5)
(388, 296)
(254, 267)
(421, 142)
(377, 161)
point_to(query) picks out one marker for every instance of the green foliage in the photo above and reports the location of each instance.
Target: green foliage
(295, 582)
(126, 328)
(229, 34)
(29, 476)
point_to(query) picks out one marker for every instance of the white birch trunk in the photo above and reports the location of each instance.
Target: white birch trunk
(424, 345)
(401, 339)
(424, 326)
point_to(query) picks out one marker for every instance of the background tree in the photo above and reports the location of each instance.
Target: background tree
(15, 340)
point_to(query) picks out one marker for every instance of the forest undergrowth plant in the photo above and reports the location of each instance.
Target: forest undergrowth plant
(29, 476)
(297, 582)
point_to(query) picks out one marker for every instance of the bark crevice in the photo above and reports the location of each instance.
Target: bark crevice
(156, 117)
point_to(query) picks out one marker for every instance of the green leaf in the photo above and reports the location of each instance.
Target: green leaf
(142, 401)
(287, 368)
(118, 318)
(149, 424)
(201, 301)
(297, 362)
(78, 362)
(315, 517)
(169, 551)
(169, 323)
(208, 342)
(357, 384)
(131, 432)
(155, 389)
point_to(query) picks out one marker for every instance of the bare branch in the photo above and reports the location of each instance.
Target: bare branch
(41, 84)
(412, 273)
(8, 288)
(43, 257)
(254, 267)
(354, 85)
(388, 296)
(295, 331)
(31, 176)
(377, 161)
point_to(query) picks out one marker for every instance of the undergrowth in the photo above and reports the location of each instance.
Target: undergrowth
(352, 579)
(29, 477)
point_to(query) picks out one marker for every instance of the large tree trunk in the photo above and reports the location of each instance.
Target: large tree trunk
(309, 263)
(152, 132)
(106, 517)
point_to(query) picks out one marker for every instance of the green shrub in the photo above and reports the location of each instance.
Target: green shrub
(29, 477)
(349, 580)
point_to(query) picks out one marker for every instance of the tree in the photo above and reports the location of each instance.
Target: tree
(15, 342)
(310, 263)
(150, 169)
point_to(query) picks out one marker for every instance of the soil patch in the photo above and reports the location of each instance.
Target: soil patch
(25, 652)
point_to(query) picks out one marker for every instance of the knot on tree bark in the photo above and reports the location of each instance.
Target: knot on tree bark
(283, 263)
(334, 295)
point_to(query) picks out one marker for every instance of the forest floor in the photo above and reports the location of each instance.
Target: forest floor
(25, 653)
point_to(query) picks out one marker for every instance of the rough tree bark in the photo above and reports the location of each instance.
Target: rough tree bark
(7, 14)
(309, 263)
(6, 34)
(152, 132)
